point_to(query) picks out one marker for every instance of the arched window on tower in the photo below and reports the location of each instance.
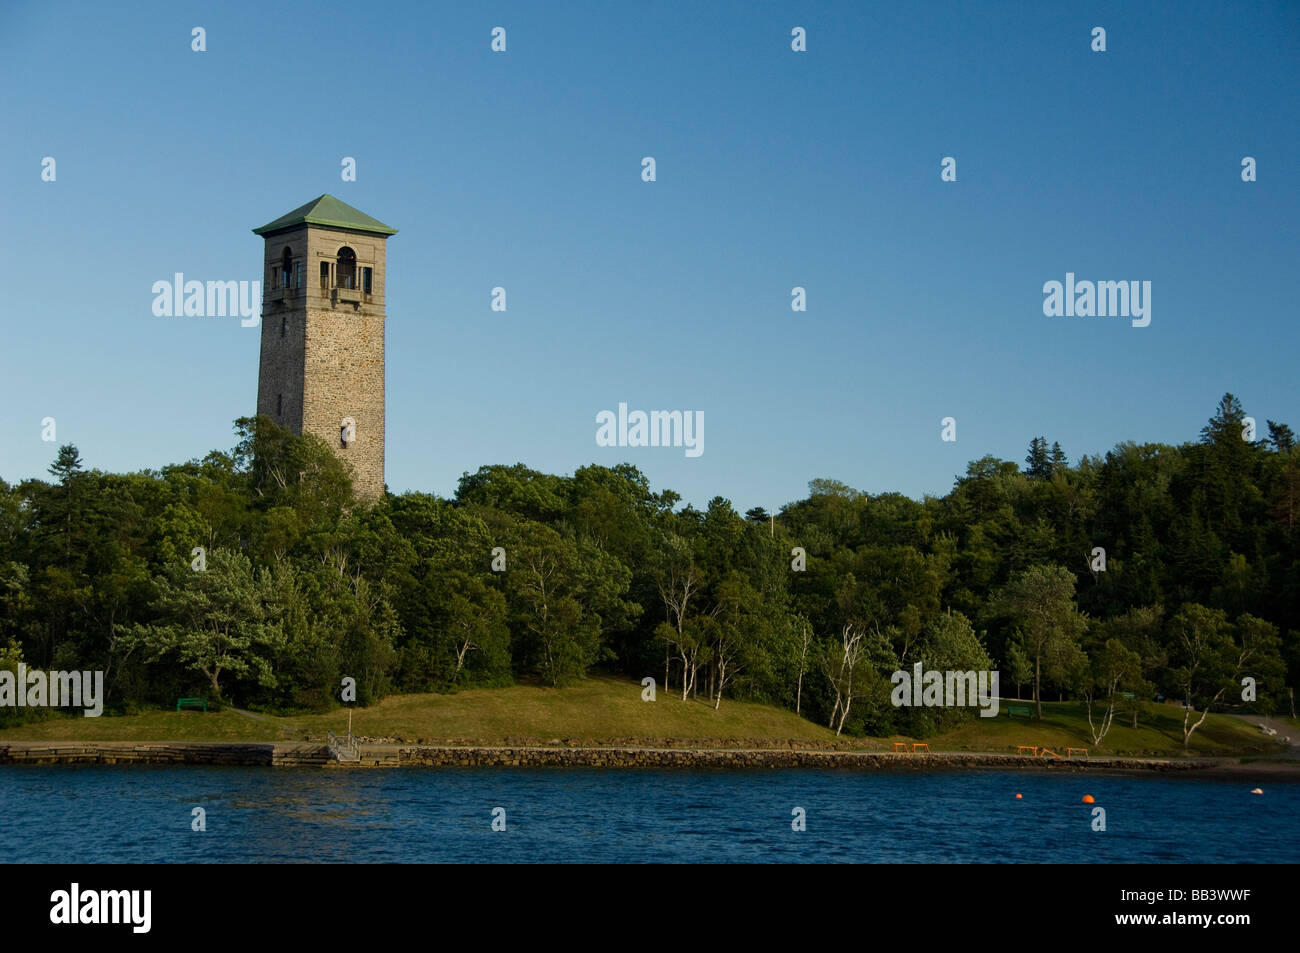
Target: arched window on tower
(346, 275)
(286, 267)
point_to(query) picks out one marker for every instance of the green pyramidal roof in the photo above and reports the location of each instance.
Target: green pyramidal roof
(329, 212)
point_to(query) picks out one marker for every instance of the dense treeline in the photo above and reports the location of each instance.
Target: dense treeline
(254, 576)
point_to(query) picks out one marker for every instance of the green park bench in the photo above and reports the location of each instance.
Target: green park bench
(1127, 695)
(1013, 710)
(191, 703)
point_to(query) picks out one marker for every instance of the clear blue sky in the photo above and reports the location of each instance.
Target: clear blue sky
(775, 169)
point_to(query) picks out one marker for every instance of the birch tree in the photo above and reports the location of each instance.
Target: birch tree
(1112, 666)
(803, 664)
(1210, 657)
(1203, 661)
(679, 580)
(840, 664)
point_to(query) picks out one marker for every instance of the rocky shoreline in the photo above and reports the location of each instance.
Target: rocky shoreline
(389, 755)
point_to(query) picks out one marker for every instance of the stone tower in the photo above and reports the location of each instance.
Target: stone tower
(322, 366)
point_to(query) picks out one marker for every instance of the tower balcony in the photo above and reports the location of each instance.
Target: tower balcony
(345, 291)
(281, 294)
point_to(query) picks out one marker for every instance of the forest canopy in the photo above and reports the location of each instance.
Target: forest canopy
(254, 576)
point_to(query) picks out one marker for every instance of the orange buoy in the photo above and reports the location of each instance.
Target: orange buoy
(1256, 791)
(1019, 796)
(1089, 799)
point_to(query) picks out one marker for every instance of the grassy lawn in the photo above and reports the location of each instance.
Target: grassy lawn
(593, 711)
(603, 710)
(154, 726)
(1159, 733)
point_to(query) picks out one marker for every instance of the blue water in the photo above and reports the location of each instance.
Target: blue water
(143, 814)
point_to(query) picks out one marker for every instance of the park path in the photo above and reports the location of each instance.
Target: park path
(1285, 733)
(281, 731)
(249, 714)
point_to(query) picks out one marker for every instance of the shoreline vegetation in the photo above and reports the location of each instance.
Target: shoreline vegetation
(603, 721)
(517, 623)
(1106, 584)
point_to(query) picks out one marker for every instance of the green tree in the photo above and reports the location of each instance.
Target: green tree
(1113, 666)
(1038, 461)
(1018, 665)
(1140, 630)
(1202, 660)
(948, 644)
(298, 471)
(1281, 436)
(66, 469)
(214, 622)
(1041, 601)
(477, 630)
(1059, 461)
(559, 639)
(1259, 656)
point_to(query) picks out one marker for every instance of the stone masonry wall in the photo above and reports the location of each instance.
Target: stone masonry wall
(344, 377)
(323, 360)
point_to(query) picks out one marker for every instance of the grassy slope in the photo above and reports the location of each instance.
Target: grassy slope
(601, 710)
(595, 710)
(1159, 732)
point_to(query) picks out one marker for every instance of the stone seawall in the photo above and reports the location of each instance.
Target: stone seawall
(162, 752)
(433, 756)
(307, 754)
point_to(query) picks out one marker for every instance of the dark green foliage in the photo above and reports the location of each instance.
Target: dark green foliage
(303, 586)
